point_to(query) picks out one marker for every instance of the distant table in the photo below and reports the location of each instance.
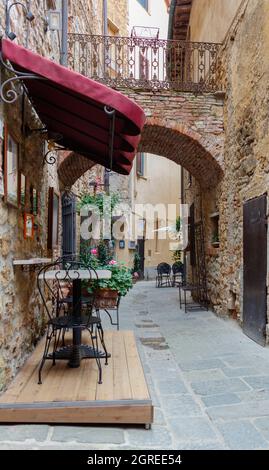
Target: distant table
(78, 351)
(31, 264)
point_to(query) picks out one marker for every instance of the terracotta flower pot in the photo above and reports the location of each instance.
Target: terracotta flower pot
(106, 298)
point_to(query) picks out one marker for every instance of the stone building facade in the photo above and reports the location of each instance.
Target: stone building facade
(21, 316)
(244, 67)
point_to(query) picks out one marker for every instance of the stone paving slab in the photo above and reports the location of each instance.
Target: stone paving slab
(221, 399)
(262, 424)
(202, 364)
(214, 387)
(99, 435)
(180, 406)
(192, 429)
(24, 432)
(242, 410)
(210, 385)
(242, 435)
(202, 375)
(242, 371)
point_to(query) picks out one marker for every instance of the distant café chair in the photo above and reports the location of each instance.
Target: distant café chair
(163, 278)
(178, 276)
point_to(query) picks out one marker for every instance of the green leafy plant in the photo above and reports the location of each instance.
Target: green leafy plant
(177, 256)
(88, 255)
(215, 238)
(178, 224)
(121, 278)
(103, 253)
(98, 201)
(136, 265)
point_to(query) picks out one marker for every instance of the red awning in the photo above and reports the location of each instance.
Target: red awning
(72, 105)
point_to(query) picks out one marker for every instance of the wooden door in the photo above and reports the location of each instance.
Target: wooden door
(255, 269)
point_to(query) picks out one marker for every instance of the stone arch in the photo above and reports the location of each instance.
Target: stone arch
(71, 167)
(201, 156)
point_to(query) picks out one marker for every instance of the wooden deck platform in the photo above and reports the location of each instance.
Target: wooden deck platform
(74, 395)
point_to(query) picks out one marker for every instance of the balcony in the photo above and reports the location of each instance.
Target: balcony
(146, 63)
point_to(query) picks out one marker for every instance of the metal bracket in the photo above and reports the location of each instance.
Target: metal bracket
(11, 95)
(111, 113)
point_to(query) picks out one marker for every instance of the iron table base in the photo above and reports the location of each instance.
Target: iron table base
(75, 354)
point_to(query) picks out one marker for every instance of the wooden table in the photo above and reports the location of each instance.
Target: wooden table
(77, 351)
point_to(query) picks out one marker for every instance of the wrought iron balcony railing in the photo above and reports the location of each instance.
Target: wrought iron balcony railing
(147, 64)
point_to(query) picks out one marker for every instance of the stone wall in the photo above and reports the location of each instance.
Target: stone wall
(21, 314)
(246, 169)
(247, 124)
(185, 128)
(118, 14)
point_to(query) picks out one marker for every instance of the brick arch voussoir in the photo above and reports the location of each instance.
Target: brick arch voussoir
(71, 167)
(200, 155)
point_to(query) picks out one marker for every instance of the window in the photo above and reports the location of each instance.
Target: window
(11, 175)
(156, 235)
(53, 219)
(215, 229)
(140, 164)
(144, 4)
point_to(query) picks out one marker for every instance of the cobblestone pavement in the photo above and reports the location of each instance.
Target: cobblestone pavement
(209, 384)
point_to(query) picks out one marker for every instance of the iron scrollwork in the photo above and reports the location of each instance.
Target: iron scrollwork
(49, 159)
(11, 95)
(147, 63)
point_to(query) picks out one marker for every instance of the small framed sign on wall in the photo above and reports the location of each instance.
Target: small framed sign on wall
(122, 244)
(28, 226)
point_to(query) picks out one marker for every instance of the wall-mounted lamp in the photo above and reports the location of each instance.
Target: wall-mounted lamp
(28, 15)
(53, 20)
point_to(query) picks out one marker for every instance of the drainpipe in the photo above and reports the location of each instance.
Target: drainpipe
(105, 33)
(105, 17)
(64, 46)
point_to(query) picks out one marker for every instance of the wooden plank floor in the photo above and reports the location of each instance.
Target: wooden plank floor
(74, 395)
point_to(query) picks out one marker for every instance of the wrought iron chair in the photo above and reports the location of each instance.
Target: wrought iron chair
(109, 307)
(178, 277)
(68, 312)
(163, 278)
(199, 298)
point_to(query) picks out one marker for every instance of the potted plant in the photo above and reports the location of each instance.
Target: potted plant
(108, 290)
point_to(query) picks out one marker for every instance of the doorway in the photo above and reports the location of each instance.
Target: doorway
(255, 269)
(69, 225)
(141, 252)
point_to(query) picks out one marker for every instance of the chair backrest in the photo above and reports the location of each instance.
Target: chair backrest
(164, 268)
(178, 268)
(55, 285)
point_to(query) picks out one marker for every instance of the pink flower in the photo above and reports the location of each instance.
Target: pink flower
(136, 275)
(113, 262)
(94, 251)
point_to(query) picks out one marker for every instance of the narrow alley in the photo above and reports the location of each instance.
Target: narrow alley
(209, 385)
